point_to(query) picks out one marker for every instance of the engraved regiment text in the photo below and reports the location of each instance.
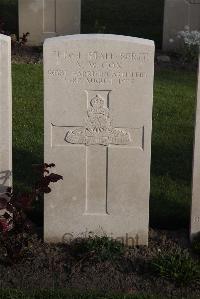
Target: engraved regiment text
(95, 67)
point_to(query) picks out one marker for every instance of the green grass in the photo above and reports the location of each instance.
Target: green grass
(172, 148)
(172, 140)
(177, 266)
(68, 294)
(27, 121)
(100, 248)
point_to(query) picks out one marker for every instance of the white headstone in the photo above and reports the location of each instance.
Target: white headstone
(195, 212)
(5, 113)
(178, 15)
(98, 119)
(48, 18)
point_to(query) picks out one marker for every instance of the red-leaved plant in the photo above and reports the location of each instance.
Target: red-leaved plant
(15, 207)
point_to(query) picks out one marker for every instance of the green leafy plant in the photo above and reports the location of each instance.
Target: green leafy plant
(99, 248)
(177, 266)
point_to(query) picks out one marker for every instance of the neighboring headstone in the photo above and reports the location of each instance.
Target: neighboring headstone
(48, 18)
(98, 120)
(178, 15)
(195, 211)
(5, 113)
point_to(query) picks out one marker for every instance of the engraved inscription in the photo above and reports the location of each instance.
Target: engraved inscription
(99, 68)
(196, 219)
(100, 56)
(98, 127)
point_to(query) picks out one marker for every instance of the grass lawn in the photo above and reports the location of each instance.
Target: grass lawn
(27, 121)
(172, 142)
(172, 148)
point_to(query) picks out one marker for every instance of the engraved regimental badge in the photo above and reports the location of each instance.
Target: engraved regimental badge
(98, 128)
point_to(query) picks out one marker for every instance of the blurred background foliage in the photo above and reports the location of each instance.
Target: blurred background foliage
(126, 17)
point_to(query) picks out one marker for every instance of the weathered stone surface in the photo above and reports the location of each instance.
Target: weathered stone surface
(98, 119)
(179, 14)
(5, 113)
(48, 18)
(195, 211)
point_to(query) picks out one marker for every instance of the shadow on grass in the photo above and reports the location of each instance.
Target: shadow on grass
(168, 214)
(174, 160)
(23, 174)
(171, 178)
(24, 178)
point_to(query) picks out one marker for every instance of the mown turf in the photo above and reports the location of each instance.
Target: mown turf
(27, 122)
(172, 148)
(172, 140)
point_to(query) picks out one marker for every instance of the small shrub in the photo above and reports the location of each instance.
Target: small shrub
(177, 266)
(15, 42)
(100, 248)
(191, 44)
(23, 39)
(14, 209)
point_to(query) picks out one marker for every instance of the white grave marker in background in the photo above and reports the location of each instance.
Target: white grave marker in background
(195, 212)
(48, 18)
(5, 113)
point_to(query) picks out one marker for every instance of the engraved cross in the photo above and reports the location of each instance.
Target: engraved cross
(97, 136)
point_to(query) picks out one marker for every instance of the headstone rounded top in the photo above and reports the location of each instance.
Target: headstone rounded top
(110, 37)
(5, 37)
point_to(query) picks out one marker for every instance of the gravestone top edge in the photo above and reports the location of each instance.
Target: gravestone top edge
(107, 37)
(5, 37)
